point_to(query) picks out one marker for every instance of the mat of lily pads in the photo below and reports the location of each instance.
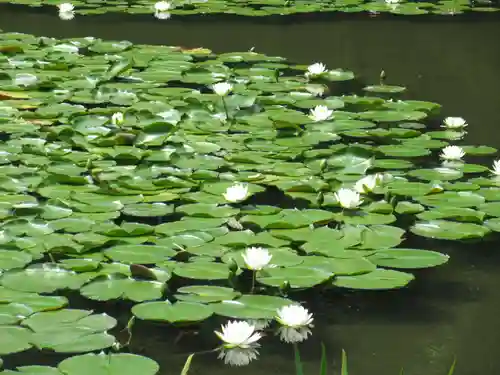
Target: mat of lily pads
(259, 8)
(115, 164)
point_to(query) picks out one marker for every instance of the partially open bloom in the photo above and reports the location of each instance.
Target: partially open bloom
(162, 6)
(348, 198)
(25, 79)
(66, 7)
(256, 258)
(295, 321)
(222, 88)
(316, 70)
(454, 123)
(117, 118)
(368, 183)
(452, 153)
(236, 193)
(496, 168)
(239, 334)
(320, 113)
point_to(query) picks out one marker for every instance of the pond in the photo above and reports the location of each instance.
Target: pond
(448, 311)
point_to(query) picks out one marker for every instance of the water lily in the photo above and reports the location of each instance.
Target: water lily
(454, 123)
(316, 70)
(162, 6)
(368, 183)
(239, 334)
(256, 258)
(452, 153)
(392, 1)
(117, 118)
(348, 198)
(66, 7)
(496, 168)
(295, 321)
(320, 113)
(222, 88)
(238, 356)
(236, 193)
(25, 79)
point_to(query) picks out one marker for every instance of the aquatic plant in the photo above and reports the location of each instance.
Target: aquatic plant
(262, 8)
(129, 173)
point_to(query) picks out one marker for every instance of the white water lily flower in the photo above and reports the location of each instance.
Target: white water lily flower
(316, 70)
(222, 88)
(66, 16)
(66, 7)
(162, 6)
(392, 1)
(236, 193)
(368, 183)
(295, 323)
(348, 198)
(256, 258)
(238, 356)
(163, 15)
(452, 153)
(117, 118)
(239, 334)
(454, 123)
(320, 113)
(25, 79)
(496, 168)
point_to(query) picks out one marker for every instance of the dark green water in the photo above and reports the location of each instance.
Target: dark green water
(451, 310)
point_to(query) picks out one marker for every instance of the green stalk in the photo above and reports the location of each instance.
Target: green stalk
(225, 108)
(298, 363)
(253, 281)
(343, 370)
(323, 365)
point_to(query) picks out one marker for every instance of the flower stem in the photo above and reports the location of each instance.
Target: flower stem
(253, 281)
(225, 108)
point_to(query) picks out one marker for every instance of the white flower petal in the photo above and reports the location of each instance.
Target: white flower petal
(162, 6)
(454, 123)
(316, 69)
(496, 168)
(320, 113)
(452, 153)
(236, 193)
(66, 7)
(348, 198)
(294, 316)
(222, 88)
(239, 334)
(256, 258)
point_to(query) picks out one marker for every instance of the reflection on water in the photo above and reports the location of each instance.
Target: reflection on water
(451, 310)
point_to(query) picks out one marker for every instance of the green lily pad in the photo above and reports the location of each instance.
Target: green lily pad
(379, 279)
(178, 312)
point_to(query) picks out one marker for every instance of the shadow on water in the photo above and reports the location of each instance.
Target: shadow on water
(451, 310)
